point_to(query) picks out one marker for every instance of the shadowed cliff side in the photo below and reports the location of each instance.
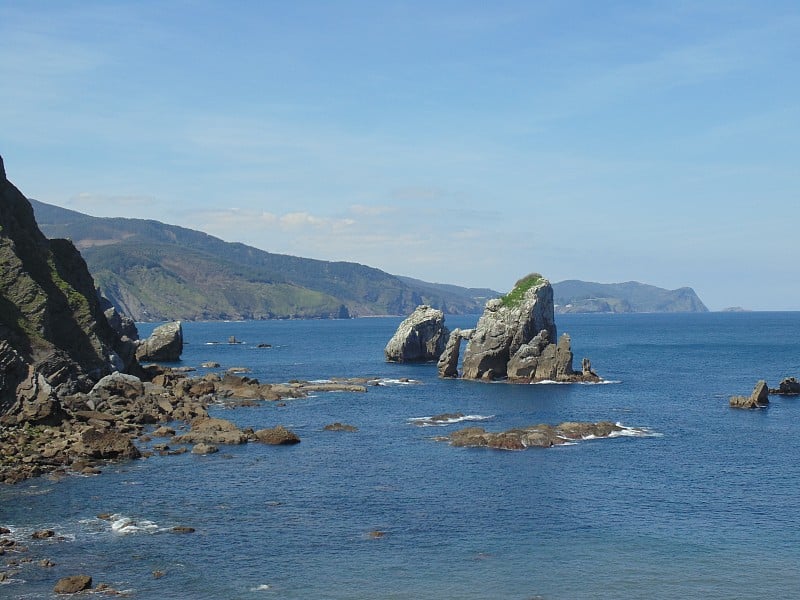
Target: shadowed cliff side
(54, 337)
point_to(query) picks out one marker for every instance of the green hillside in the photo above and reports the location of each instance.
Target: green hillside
(153, 271)
(573, 296)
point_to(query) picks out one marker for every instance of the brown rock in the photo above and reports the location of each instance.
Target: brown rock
(758, 399)
(107, 445)
(277, 436)
(212, 431)
(73, 584)
(43, 534)
(203, 448)
(340, 427)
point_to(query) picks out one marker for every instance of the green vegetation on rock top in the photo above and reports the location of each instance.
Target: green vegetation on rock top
(513, 298)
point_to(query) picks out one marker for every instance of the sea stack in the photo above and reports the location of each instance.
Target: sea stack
(515, 339)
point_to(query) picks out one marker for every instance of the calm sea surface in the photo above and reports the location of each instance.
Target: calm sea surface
(706, 506)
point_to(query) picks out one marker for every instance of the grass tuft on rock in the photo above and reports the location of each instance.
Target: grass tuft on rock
(514, 297)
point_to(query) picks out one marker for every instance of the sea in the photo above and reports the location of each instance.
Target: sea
(700, 501)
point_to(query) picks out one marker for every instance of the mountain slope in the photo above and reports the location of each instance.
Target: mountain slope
(154, 271)
(585, 296)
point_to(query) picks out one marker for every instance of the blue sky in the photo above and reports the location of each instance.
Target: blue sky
(459, 142)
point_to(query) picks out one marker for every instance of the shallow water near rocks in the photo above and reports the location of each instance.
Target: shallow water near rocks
(705, 507)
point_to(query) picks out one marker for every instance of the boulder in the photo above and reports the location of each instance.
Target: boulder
(73, 584)
(419, 338)
(203, 448)
(106, 445)
(212, 431)
(164, 344)
(758, 399)
(278, 436)
(118, 384)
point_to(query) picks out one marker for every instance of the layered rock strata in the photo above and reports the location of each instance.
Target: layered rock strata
(54, 337)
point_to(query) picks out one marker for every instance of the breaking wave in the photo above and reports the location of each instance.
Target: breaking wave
(443, 420)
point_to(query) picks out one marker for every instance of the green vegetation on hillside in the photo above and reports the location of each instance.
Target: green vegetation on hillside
(153, 271)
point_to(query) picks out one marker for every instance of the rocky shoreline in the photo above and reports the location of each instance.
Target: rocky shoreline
(122, 412)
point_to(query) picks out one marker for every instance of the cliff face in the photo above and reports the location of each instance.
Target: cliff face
(54, 337)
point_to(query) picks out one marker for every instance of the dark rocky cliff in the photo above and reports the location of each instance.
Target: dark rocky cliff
(54, 337)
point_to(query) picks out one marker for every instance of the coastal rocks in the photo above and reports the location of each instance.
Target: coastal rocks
(758, 399)
(106, 445)
(212, 431)
(165, 344)
(514, 339)
(340, 427)
(203, 448)
(73, 584)
(537, 436)
(277, 436)
(419, 338)
(789, 386)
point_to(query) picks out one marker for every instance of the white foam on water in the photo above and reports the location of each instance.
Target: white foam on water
(634, 432)
(552, 382)
(389, 381)
(261, 588)
(428, 422)
(123, 525)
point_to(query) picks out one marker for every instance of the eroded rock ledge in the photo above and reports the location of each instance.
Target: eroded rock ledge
(537, 436)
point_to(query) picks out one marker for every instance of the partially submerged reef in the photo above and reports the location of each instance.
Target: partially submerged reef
(538, 436)
(514, 340)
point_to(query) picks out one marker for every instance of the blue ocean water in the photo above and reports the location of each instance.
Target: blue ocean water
(705, 507)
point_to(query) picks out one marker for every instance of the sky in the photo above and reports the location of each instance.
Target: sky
(457, 142)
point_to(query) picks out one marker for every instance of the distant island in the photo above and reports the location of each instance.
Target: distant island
(573, 296)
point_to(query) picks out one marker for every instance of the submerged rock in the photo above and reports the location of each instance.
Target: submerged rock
(419, 338)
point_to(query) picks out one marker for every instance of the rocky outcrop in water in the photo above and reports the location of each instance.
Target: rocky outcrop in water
(448, 360)
(536, 436)
(419, 338)
(789, 386)
(515, 339)
(758, 399)
(165, 344)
